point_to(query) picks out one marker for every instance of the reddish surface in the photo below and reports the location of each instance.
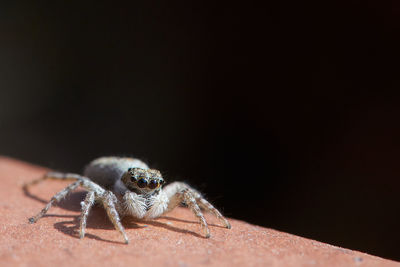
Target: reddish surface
(173, 240)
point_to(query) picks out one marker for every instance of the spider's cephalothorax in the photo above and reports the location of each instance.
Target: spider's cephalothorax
(127, 187)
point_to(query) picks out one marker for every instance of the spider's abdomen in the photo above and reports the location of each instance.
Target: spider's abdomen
(106, 171)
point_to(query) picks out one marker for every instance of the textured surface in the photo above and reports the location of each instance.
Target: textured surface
(173, 240)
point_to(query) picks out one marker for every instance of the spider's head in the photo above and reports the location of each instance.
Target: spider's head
(143, 180)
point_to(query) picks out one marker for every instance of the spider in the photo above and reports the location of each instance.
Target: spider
(128, 187)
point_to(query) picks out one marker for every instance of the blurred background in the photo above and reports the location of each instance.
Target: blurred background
(284, 114)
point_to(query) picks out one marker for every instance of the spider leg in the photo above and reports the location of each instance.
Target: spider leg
(54, 176)
(108, 199)
(207, 206)
(180, 192)
(203, 203)
(56, 198)
(63, 193)
(96, 192)
(86, 206)
(189, 199)
(200, 200)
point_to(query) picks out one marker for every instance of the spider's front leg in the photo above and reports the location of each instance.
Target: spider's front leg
(180, 192)
(86, 206)
(109, 201)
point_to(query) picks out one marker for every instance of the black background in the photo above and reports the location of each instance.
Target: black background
(285, 114)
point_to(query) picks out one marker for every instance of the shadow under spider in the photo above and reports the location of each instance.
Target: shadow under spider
(172, 228)
(71, 228)
(99, 220)
(186, 221)
(74, 231)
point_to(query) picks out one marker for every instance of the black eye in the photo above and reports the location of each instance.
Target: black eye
(153, 184)
(133, 179)
(142, 183)
(162, 182)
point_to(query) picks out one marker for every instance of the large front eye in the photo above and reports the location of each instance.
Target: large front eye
(142, 183)
(153, 184)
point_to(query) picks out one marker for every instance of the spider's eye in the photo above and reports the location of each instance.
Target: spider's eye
(153, 184)
(142, 183)
(133, 179)
(162, 182)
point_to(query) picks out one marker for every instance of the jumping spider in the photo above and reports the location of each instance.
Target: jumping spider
(127, 187)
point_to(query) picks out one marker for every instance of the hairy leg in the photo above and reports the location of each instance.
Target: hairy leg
(56, 198)
(204, 204)
(86, 206)
(110, 204)
(171, 189)
(81, 181)
(54, 176)
(180, 192)
(107, 198)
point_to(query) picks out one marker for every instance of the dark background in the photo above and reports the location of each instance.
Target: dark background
(285, 114)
